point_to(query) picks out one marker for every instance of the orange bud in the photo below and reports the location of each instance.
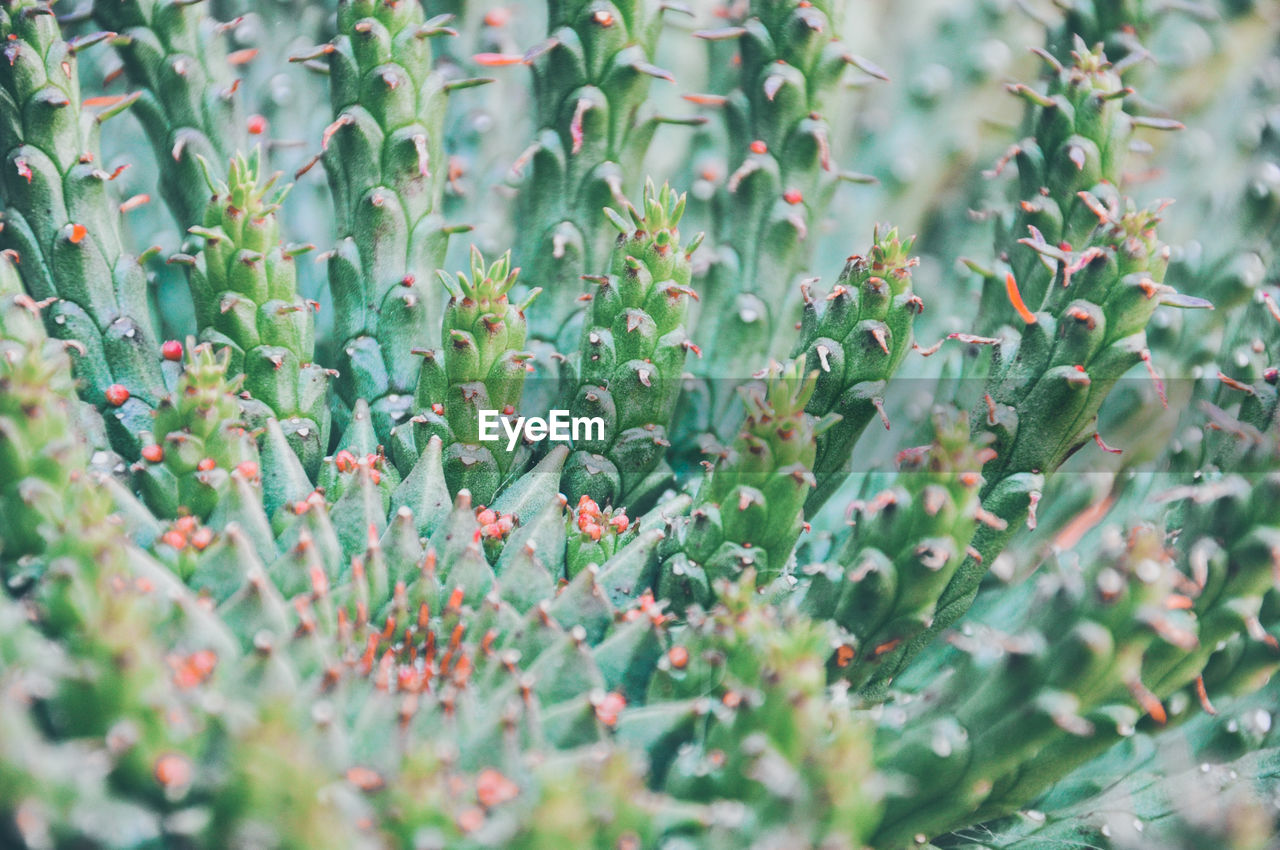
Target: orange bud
(202, 538)
(1015, 298)
(494, 60)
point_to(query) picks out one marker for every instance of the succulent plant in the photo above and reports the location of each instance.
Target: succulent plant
(590, 81)
(175, 53)
(589, 543)
(245, 291)
(633, 352)
(62, 223)
(478, 373)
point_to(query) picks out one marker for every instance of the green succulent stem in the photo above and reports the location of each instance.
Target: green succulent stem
(856, 343)
(384, 155)
(172, 50)
(477, 375)
(591, 81)
(749, 511)
(64, 227)
(632, 355)
(244, 284)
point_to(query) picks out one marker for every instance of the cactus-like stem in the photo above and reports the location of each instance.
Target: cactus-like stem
(196, 442)
(384, 154)
(1094, 651)
(749, 511)
(632, 357)
(779, 175)
(479, 372)
(856, 344)
(755, 737)
(40, 451)
(1048, 384)
(244, 284)
(1077, 141)
(591, 80)
(173, 51)
(65, 229)
(907, 543)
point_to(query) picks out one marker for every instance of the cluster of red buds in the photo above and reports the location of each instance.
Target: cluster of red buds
(187, 530)
(593, 522)
(608, 707)
(348, 462)
(648, 607)
(493, 525)
(194, 669)
(314, 498)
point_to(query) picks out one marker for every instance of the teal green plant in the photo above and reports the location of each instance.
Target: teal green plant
(277, 582)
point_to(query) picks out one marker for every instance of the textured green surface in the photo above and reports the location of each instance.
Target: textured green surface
(989, 560)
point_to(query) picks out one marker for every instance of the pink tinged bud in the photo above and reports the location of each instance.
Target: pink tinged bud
(495, 60)
(610, 707)
(493, 789)
(575, 125)
(364, 778)
(173, 770)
